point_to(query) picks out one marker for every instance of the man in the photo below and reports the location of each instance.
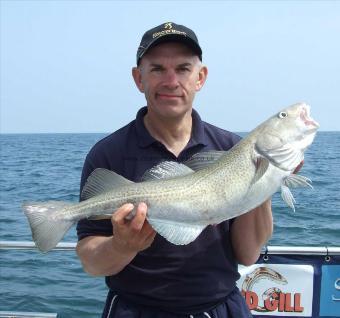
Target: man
(148, 276)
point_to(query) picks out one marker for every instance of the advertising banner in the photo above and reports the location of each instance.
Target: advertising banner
(292, 286)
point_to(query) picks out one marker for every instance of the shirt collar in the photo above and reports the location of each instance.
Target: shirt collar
(145, 139)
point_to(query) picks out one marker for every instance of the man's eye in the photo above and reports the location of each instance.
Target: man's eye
(156, 69)
(184, 69)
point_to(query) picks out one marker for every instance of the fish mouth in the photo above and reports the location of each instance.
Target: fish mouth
(309, 122)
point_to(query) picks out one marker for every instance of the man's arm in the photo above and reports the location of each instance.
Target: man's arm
(104, 256)
(250, 231)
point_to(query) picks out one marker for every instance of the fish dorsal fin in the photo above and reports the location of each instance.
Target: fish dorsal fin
(175, 232)
(166, 170)
(295, 181)
(202, 160)
(100, 181)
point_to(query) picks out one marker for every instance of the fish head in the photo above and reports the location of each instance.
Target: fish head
(284, 137)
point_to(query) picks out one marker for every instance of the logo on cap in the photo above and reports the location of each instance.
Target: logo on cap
(168, 25)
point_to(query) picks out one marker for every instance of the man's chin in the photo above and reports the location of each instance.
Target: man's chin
(172, 110)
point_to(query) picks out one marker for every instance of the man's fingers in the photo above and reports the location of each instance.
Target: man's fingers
(133, 234)
(149, 239)
(139, 219)
(147, 229)
(152, 236)
(120, 215)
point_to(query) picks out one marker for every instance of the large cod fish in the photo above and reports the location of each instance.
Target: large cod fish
(209, 188)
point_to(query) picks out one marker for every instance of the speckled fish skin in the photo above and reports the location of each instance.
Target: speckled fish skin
(217, 192)
(179, 208)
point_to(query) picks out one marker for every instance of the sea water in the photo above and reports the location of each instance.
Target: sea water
(48, 167)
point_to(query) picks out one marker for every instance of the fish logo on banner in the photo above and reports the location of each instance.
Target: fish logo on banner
(279, 290)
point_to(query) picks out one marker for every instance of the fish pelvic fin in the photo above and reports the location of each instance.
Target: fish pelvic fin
(175, 232)
(47, 228)
(295, 181)
(287, 197)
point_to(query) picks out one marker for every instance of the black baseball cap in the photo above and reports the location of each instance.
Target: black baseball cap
(167, 32)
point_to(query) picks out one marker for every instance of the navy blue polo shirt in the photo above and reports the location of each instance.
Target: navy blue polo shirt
(182, 279)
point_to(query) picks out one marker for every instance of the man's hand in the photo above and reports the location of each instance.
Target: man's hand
(108, 255)
(131, 235)
(250, 231)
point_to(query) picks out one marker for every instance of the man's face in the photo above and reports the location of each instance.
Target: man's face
(170, 75)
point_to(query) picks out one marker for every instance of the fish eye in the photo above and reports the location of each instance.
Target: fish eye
(283, 114)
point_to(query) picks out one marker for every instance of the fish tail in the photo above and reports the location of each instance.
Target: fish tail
(47, 228)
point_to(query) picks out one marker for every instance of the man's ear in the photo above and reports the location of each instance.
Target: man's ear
(202, 77)
(137, 76)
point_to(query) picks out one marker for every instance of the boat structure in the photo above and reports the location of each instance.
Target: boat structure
(291, 281)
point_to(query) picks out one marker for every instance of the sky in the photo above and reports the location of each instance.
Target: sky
(66, 65)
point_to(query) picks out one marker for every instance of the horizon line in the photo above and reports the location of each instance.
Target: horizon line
(54, 133)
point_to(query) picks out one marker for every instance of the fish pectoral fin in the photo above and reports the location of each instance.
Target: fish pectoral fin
(261, 164)
(287, 197)
(100, 181)
(175, 232)
(202, 160)
(295, 181)
(166, 170)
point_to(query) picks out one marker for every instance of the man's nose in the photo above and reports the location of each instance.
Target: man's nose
(171, 79)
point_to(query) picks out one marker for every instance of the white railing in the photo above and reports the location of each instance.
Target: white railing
(283, 250)
(27, 245)
(301, 250)
(18, 314)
